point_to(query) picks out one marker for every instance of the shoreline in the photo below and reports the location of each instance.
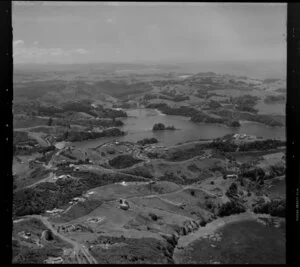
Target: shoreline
(221, 124)
(260, 123)
(159, 112)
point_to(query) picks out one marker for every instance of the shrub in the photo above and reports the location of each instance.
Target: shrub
(161, 127)
(153, 216)
(202, 223)
(234, 124)
(275, 208)
(231, 207)
(170, 128)
(158, 127)
(147, 141)
(50, 121)
(83, 135)
(226, 146)
(232, 190)
(254, 174)
(123, 161)
(209, 205)
(262, 145)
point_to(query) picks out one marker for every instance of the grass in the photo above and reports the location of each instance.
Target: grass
(252, 155)
(278, 188)
(79, 210)
(243, 242)
(132, 250)
(29, 122)
(185, 153)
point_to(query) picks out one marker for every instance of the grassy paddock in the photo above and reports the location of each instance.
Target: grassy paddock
(239, 245)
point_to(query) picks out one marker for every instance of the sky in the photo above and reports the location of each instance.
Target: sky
(77, 32)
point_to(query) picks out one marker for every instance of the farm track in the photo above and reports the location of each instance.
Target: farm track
(78, 249)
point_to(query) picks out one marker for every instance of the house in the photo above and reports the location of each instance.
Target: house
(233, 176)
(124, 183)
(78, 199)
(24, 234)
(54, 260)
(124, 205)
(230, 174)
(60, 145)
(54, 211)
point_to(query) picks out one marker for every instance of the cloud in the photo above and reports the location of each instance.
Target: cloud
(18, 42)
(81, 51)
(34, 52)
(111, 3)
(56, 52)
(109, 20)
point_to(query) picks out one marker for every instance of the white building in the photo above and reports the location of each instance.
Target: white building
(61, 145)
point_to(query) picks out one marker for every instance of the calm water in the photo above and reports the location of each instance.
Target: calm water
(139, 125)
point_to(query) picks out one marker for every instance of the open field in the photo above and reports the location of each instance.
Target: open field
(233, 243)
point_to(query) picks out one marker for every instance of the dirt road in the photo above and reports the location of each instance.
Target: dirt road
(81, 253)
(46, 179)
(192, 186)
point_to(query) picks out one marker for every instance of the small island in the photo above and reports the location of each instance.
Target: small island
(147, 141)
(162, 127)
(234, 124)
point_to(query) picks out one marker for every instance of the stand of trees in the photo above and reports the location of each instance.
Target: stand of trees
(274, 99)
(226, 145)
(262, 145)
(147, 141)
(74, 136)
(275, 208)
(162, 127)
(123, 161)
(231, 207)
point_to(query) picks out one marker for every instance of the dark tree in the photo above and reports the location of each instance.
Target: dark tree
(50, 121)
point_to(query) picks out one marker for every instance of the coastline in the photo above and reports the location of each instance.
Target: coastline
(260, 123)
(159, 112)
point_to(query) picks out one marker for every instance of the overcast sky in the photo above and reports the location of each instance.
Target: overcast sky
(98, 32)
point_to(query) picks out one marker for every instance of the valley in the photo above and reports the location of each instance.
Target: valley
(95, 182)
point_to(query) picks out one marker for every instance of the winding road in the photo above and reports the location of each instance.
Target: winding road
(81, 254)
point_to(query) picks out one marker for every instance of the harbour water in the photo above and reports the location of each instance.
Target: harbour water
(139, 123)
